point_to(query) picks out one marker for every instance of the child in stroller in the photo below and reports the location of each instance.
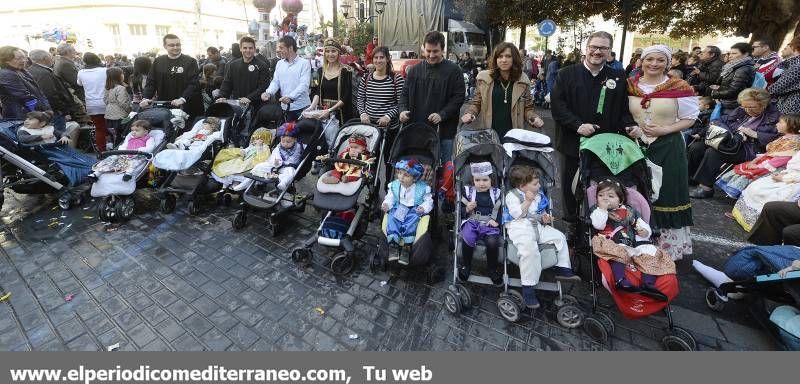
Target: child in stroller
(481, 208)
(347, 172)
(231, 163)
(194, 139)
(408, 199)
(525, 222)
(285, 157)
(623, 239)
(37, 130)
(139, 139)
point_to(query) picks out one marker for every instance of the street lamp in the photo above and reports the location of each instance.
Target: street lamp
(361, 10)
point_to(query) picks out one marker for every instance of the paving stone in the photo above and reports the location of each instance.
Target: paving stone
(187, 343)
(248, 315)
(223, 320)
(12, 336)
(212, 289)
(70, 330)
(180, 310)
(127, 319)
(154, 314)
(164, 297)
(30, 320)
(205, 305)
(156, 345)
(83, 343)
(242, 335)
(142, 335)
(98, 324)
(216, 341)
(169, 329)
(197, 324)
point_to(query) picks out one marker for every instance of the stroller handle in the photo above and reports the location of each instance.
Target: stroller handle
(125, 152)
(347, 161)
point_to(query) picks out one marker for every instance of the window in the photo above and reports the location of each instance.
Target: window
(162, 30)
(137, 29)
(113, 29)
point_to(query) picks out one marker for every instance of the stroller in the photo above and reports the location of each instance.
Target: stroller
(763, 292)
(236, 113)
(43, 168)
(601, 157)
(117, 194)
(348, 213)
(187, 171)
(532, 149)
(264, 195)
(417, 141)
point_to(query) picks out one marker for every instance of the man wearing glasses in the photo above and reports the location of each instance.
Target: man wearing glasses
(174, 77)
(767, 60)
(588, 98)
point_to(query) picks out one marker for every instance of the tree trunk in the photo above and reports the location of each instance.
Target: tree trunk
(522, 33)
(770, 19)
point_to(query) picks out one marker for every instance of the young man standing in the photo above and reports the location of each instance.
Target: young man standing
(767, 60)
(433, 93)
(174, 77)
(292, 78)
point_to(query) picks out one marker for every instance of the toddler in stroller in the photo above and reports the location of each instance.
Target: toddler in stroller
(526, 220)
(139, 139)
(285, 158)
(197, 138)
(348, 172)
(231, 163)
(37, 130)
(408, 200)
(623, 239)
(480, 207)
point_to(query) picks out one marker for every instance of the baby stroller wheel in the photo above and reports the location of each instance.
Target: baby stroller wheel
(508, 308)
(466, 298)
(713, 300)
(451, 301)
(168, 203)
(342, 264)
(565, 300)
(376, 263)
(65, 201)
(679, 339)
(517, 297)
(569, 316)
(302, 256)
(594, 327)
(193, 207)
(125, 207)
(239, 220)
(106, 211)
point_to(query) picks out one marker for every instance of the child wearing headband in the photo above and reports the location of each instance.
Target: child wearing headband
(623, 239)
(407, 199)
(344, 172)
(480, 208)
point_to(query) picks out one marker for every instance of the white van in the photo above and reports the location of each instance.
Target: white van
(463, 37)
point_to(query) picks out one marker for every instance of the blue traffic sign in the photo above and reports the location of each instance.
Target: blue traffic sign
(547, 27)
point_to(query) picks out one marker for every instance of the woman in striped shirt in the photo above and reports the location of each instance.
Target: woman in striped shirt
(379, 94)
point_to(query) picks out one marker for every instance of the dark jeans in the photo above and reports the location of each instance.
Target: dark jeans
(294, 115)
(779, 223)
(59, 122)
(567, 174)
(705, 162)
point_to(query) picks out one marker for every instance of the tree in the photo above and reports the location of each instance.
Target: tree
(678, 18)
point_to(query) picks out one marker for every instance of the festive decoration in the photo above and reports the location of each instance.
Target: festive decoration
(264, 6)
(292, 6)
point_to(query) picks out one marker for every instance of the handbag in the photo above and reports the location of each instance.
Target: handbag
(714, 135)
(656, 178)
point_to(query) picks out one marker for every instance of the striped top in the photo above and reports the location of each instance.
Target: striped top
(378, 98)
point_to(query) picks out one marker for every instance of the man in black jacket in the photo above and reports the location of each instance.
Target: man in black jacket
(245, 79)
(708, 72)
(588, 98)
(174, 77)
(53, 88)
(434, 92)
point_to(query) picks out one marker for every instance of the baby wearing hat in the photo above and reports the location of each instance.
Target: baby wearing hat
(481, 210)
(345, 172)
(285, 157)
(407, 199)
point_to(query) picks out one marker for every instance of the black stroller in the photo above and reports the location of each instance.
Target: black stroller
(417, 141)
(264, 195)
(348, 209)
(193, 179)
(27, 169)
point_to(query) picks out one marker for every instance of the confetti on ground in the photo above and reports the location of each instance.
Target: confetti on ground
(68, 297)
(320, 311)
(63, 216)
(39, 220)
(112, 347)
(4, 296)
(88, 217)
(54, 224)
(383, 283)
(353, 336)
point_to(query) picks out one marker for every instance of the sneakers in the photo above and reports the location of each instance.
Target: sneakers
(172, 146)
(92, 177)
(529, 297)
(463, 273)
(701, 193)
(566, 274)
(405, 255)
(497, 278)
(126, 177)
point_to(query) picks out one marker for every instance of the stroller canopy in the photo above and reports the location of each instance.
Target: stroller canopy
(469, 144)
(225, 110)
(617, 152)
(370, 133)
(419, 140)
(530, 148)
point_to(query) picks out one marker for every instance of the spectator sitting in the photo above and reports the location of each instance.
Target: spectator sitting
(755, 120)
(736, 75)
(54, 89)
(786, 90)
(698, 131)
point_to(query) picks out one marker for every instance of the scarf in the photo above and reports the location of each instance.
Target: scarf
(673, 88)
(731, 65)
(764, 60)
(291, 156)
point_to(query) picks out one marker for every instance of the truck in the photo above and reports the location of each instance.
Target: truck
(404, 23)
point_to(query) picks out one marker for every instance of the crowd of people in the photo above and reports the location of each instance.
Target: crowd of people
(694, 112)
